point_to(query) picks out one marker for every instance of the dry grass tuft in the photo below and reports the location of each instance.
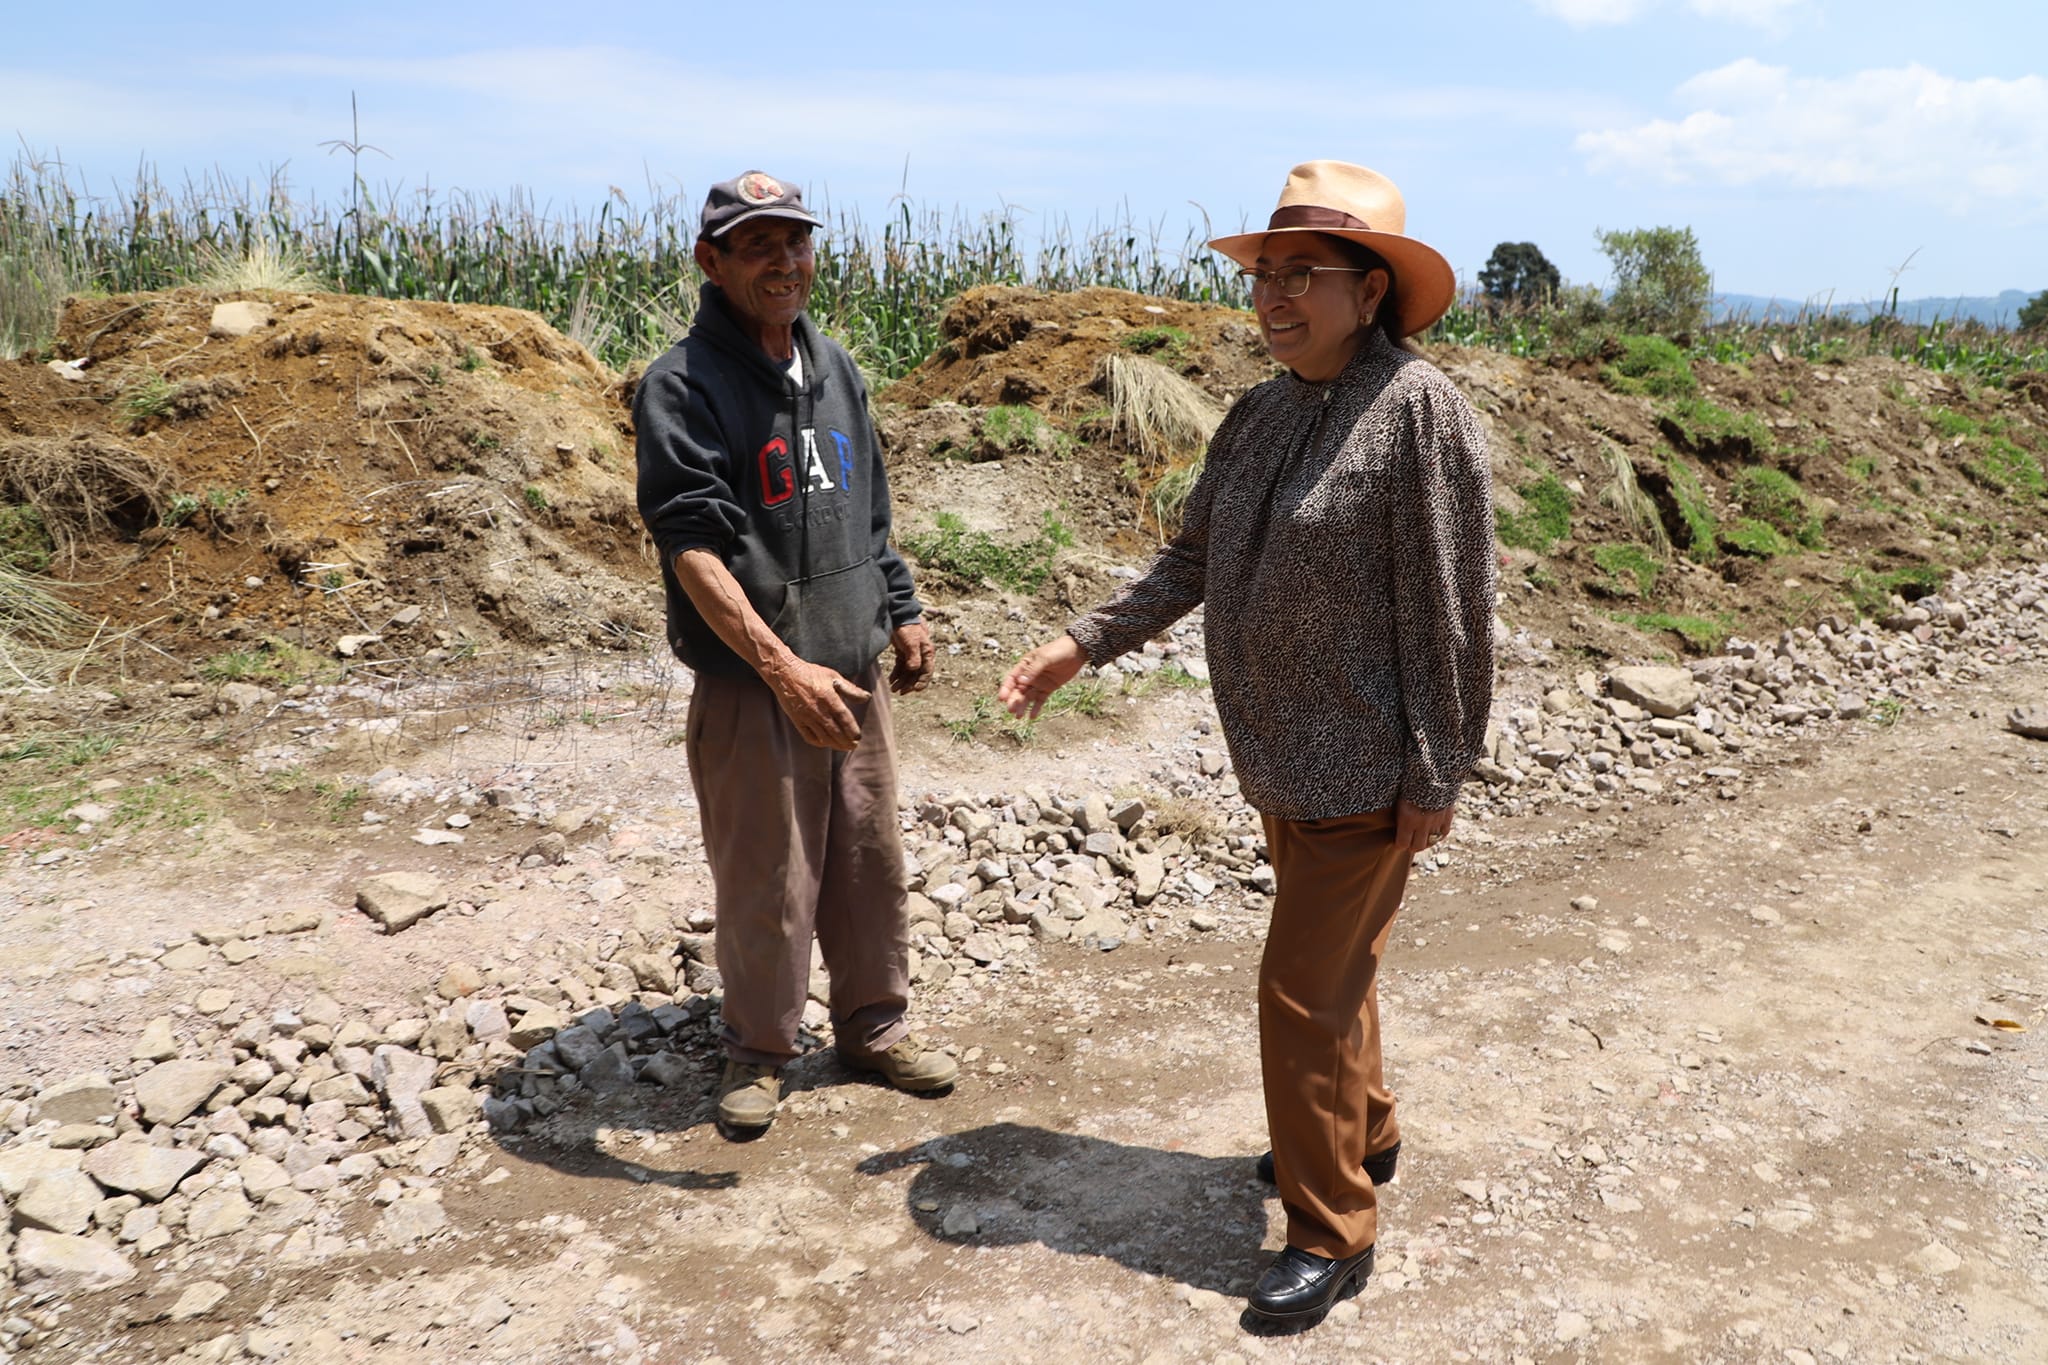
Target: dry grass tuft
(1162, 415)
(35, 627)
(266, 264)
(1626, 496)
(84, 489)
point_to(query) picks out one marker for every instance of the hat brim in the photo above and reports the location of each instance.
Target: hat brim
(1426, 284)
(770, 211)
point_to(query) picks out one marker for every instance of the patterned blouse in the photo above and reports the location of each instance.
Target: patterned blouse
(1342, 537)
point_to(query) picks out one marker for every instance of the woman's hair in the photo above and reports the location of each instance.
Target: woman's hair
(1387, 316)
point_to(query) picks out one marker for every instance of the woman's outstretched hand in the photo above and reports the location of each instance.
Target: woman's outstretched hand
(1039, 674)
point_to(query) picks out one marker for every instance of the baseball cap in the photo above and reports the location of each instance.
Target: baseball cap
(755, 194)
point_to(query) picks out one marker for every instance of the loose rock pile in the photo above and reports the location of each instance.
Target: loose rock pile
(273, 1126)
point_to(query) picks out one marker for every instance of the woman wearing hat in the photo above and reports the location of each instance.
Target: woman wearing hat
(1341, 535)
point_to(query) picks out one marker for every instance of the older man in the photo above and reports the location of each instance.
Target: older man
(762, 484)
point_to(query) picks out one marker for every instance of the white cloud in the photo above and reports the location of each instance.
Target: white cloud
(1905, 130)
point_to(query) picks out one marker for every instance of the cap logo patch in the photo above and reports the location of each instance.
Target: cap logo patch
(757, 188)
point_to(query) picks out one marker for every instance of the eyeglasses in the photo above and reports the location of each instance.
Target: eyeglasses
(1293, 280)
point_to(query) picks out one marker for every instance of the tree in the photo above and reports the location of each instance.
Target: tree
(2034, 313)
(1517, 272)
(1660, 283)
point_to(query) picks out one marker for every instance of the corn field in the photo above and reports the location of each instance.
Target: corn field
(621, 278)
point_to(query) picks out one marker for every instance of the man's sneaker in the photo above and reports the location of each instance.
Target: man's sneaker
(748, 1095)
(912, 1064)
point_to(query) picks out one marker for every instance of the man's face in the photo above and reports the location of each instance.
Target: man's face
(766, 270)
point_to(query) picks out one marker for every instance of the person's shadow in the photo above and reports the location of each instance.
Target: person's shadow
(1196, 1220)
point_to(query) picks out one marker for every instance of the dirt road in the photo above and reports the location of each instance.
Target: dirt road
(1691, 1082)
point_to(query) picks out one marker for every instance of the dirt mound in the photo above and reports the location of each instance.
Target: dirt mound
(445, 477)
(1638, 516)
(1024, 346)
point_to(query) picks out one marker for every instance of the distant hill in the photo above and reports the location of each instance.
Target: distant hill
(2000, 310)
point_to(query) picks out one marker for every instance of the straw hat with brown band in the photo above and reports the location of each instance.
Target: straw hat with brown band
(1360, 205)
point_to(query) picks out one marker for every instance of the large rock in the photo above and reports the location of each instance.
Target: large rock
(398, 900)
(60, 1201)
(1148, 876)
(449, 1108)
(89, 1098)
(68, 1263)
(141, 1169)
(402, 1077)
(535, 1027)
(19, 1165)
(1666, 692)
(171, 1092)
(239, 318)
(216, 1214)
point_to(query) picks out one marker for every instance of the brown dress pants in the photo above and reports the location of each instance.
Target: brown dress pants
(800, 840)
(1327, 1103)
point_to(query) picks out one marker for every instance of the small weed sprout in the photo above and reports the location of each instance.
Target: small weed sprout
(154, 396)
(536, 498)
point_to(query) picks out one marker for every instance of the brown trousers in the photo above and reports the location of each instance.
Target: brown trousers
(800, 840)
(1327, 1103)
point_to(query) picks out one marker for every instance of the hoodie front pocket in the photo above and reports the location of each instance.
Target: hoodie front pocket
(839, 619)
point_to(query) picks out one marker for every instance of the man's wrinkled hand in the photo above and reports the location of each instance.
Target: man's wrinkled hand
(912, 642)
(819, 702)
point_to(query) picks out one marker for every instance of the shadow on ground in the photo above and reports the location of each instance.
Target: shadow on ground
(1195, 1220)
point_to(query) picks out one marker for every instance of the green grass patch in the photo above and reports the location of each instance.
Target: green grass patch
(1651, 366)
(273, 663)
(1700, 425)
(1695, 513)
(1631, 570)
(1012, 428)
(1167, 345)
(1870, 590)
(1951, 423)
(1862, 468)
(989, 715)
(1702, 635)
(2010, 469)
(1545, 520)
(1775, 498)
(1757, 539)
(536, 498)
(976, 556)
(25, 542)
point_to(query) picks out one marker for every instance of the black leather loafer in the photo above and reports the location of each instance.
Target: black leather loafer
(1300, 1286)
(1379, 1166)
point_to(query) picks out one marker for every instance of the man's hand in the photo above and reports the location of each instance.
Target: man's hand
(1415, 829)
(1039, 674)
(819, 702)
(914, 657)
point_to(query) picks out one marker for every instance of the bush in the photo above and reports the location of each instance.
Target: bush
(1652, 366)
(1546, 520)
(1660, 282)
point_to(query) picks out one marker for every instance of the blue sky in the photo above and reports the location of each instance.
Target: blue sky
(1811, 144)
